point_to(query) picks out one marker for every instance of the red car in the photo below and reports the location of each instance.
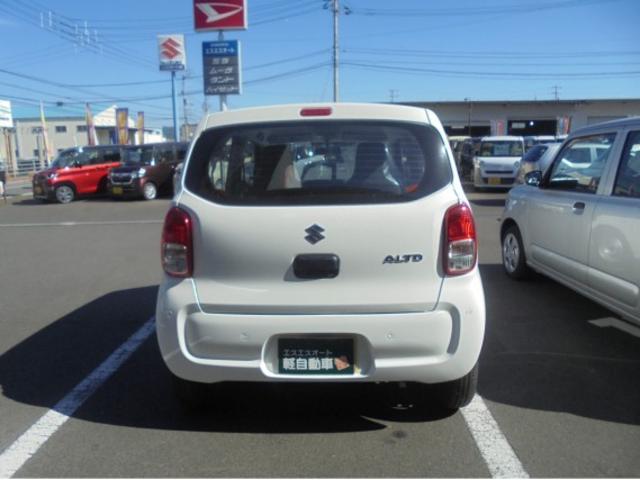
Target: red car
(78, 171)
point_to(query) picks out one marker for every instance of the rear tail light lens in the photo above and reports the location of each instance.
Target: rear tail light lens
(177, 244)
(460, 243)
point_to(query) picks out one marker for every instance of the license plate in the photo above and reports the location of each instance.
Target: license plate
(117, 190)
(315, 356)
(494, 181)
(37, 190)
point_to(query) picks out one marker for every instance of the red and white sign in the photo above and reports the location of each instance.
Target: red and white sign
(172, 53)
(220, 15)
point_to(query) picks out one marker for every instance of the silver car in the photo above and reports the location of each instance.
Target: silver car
(538, 157)
(579, 222)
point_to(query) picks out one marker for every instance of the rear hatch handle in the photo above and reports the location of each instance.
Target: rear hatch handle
(316, 265)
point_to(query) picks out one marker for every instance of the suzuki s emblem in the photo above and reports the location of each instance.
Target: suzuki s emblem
(314, 234)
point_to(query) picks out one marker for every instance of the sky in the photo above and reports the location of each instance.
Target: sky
(402, 50)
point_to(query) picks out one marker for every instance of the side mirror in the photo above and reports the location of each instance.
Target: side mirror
(533, 178)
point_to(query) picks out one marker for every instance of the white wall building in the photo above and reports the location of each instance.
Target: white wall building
(66, 132)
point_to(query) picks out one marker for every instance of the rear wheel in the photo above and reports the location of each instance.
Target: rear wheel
(513, 258)
(149, 191)
(65, 194)
(455, 394)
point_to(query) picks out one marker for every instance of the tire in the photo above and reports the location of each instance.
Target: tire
(150, 191)
(193, 396)
(65, 194)
(457, 393)
(514, 261)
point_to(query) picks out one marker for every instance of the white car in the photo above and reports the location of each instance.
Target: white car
(359, 267)
(497, 163)
(579, 222)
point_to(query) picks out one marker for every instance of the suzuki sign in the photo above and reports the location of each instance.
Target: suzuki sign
(172, 52)
(220, 15)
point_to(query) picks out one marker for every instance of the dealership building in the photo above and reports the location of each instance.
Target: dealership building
(527, 117)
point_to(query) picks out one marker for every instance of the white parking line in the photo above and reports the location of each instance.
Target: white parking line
(16, 455)
(80, 224)
(495, 449)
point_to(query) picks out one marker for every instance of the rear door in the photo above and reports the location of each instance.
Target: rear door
(614, 253)
(560, 213)
(369, 196)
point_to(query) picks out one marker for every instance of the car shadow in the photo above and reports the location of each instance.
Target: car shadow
(542, 355)
(43, 368)
(541, 351)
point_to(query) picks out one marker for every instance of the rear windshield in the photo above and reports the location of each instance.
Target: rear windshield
(501, 148)
(318, 162)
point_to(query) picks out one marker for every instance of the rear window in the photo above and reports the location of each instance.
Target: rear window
(318, 162)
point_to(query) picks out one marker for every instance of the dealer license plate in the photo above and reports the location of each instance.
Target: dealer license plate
(315, 356)
(495, 181)
(117, 190)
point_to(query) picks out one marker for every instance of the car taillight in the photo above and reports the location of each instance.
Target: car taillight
(316, 112)
(460, 243)
(177, 244)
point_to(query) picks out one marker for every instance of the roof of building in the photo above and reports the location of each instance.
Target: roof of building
(523, 102)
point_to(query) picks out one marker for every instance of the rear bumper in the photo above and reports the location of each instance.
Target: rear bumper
(483, 179)
(429, 347)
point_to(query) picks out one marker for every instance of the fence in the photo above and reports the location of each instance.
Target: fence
(25, 166)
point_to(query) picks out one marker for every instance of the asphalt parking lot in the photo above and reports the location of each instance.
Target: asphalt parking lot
(77, 281)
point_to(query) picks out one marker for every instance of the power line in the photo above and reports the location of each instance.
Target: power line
(465, 73)
(476, 11)
(496, 54)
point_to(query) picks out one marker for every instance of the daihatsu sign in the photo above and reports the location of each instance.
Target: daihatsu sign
(220, 15)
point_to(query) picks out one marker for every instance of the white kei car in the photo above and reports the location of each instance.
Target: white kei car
(579, 221)
(361, 266)
(497, 162)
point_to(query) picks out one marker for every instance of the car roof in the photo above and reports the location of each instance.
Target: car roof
(502, 138)
(339, 111)
(610, 125)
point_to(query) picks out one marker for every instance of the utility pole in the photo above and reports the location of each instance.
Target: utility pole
(185, 120)
(555, 92)
(468, 100)
(173, 105)
(393, 94)
(336, 80)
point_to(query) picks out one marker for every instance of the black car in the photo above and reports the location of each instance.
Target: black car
(147, 170)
